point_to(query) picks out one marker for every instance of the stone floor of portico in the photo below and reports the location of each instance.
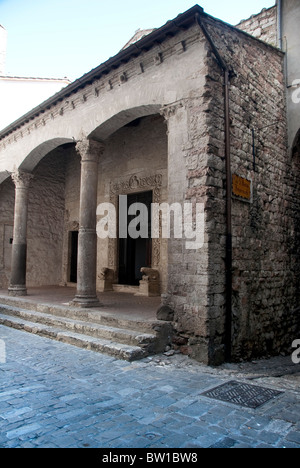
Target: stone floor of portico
(123, 305)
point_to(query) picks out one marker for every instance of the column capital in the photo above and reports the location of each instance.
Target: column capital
(169, 110)
(21, 179)
(89, 150)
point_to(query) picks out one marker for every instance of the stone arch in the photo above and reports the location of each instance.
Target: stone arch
(121, 119)
(137, 126)
(36, 155)
(46, 210)
(3, 176)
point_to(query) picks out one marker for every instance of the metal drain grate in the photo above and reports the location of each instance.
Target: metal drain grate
(242, 394)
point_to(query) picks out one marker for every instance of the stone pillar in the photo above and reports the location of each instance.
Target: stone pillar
(188, 274)
(86, 295)
(19, 248)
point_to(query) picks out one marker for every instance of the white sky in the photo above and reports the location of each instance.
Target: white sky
(58, 38)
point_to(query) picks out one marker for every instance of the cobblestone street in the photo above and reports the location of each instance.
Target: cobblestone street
(56, 395)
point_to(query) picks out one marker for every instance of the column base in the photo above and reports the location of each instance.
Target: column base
(16, 291)
(85, 302)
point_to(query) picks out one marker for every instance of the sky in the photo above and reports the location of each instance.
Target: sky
(68, 38)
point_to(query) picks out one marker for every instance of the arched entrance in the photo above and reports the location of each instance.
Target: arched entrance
(39, 217)
(134, 167)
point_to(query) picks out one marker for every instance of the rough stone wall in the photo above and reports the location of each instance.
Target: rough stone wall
(72, 197)
(45, 221)
(7, 201)
(264, 285)
(262, 26)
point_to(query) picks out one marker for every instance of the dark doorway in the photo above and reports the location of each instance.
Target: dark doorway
(73, 256)
(135, 253)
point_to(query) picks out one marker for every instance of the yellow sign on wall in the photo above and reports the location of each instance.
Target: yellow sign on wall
(241, 187)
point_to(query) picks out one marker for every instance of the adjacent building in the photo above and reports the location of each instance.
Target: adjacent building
(19, 94)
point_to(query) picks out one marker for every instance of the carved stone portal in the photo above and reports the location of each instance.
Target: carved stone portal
(125, 187)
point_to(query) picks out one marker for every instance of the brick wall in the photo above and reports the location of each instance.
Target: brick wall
(262, 26)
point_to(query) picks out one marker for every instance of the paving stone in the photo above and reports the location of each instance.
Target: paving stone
(227, 442)
(30, 428)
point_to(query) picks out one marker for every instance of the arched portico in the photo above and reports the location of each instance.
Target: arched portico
(165, 78)
(151, 145)
(38, 153)
(128, 150)
(121, 119)
(40, 202)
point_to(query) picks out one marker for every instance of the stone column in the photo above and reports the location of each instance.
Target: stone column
(19, 248)
(86, 295)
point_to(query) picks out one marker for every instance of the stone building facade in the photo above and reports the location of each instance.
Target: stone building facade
(195, 112)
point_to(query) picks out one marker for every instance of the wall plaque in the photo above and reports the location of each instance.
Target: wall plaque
(241, 187)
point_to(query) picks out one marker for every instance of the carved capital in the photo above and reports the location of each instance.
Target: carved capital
(21, 179)
(89, 150)
(171, 109)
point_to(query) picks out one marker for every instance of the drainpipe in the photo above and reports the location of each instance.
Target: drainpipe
(227, 73)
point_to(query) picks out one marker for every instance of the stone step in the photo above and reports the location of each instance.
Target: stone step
(91, 329)
(118, 350)
(87, 315)
(125, 336)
